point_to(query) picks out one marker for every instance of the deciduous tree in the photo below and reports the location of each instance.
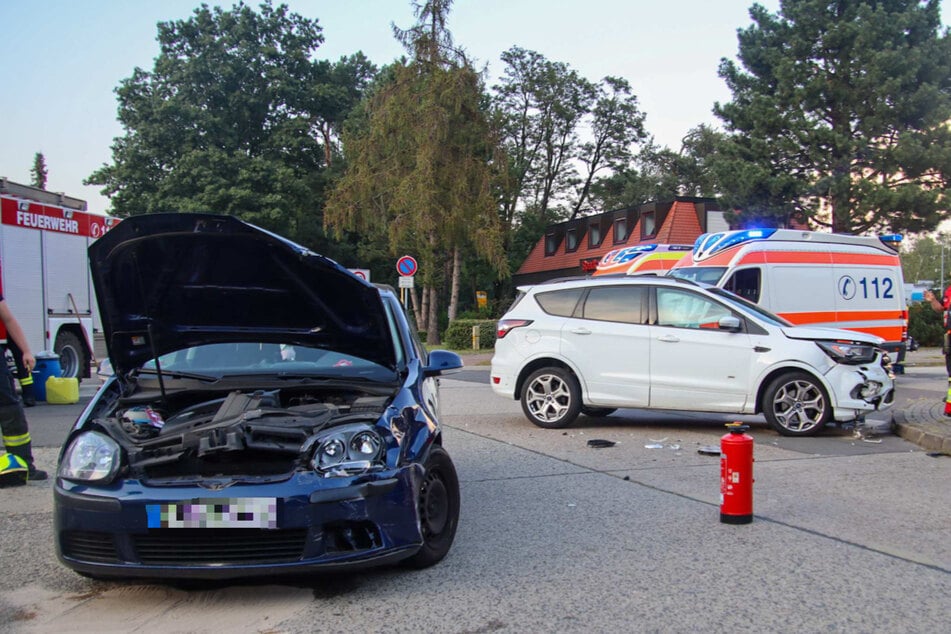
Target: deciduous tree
(539, 106)
(420, 169)
(617, 124)
(236, 117)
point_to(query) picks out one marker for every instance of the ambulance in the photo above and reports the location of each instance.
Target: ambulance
(642, 258)
(809, 277)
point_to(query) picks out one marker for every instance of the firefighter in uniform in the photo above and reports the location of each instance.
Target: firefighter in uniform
(15, 431)
(24, 376)
(944, 306)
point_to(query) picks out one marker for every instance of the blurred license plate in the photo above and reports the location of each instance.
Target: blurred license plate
(214, 513)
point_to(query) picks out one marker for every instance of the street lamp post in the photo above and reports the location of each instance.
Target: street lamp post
(943, 247)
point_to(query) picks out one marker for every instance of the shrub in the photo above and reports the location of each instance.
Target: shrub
(925, 324)
(459, 334)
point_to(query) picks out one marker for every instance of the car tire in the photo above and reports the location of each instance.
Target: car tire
(796, 404)
(72, 355)
(551, 398)
(438, 500)
(597, 412)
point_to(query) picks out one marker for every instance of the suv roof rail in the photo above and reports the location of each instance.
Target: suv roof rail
(554, 280)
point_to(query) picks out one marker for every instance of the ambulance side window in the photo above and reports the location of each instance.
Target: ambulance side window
(745, 283)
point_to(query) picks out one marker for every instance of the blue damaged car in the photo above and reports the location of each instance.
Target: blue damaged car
(269, 412)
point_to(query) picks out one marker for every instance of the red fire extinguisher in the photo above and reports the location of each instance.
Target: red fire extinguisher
(736, 475)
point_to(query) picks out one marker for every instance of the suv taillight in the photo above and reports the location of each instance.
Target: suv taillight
(506, 325)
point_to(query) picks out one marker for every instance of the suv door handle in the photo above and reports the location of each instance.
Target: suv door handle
(669, 339)
(580, 331)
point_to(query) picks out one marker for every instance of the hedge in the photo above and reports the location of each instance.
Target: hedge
(459, 334)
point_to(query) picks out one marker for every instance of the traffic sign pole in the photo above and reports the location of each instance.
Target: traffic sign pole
(406, 266)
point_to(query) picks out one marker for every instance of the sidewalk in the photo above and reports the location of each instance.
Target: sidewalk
(918, 412)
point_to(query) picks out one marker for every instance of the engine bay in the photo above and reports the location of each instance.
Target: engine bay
(251, 433)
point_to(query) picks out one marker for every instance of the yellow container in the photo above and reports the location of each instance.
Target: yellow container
(62, 391)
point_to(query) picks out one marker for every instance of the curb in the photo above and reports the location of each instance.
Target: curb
(918, 423)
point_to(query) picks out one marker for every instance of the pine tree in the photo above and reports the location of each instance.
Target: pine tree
(840, 115)
(38, 172)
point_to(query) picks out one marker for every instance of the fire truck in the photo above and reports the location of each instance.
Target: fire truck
(44, 272)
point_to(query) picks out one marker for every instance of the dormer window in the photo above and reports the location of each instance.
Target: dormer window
(620, 230)
(594, 235)
(648, 225)
(571, 240)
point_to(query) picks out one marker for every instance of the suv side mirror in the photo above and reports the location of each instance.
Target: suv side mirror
(731, 323)
(442, 362)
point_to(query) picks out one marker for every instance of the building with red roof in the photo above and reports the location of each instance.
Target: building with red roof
(575, 247)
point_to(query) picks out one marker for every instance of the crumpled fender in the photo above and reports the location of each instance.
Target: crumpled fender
(419, 433)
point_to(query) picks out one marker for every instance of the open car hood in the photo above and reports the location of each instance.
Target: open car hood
(165, 282)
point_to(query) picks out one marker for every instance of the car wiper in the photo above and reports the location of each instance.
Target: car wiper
(321, 378)
(298, 376)
(180, 375)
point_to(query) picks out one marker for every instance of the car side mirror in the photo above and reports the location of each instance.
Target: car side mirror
(442, 362)
(731, 323)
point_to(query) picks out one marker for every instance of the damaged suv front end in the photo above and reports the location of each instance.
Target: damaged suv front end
(269, 413)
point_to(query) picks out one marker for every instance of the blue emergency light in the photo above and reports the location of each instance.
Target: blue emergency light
(715, 242)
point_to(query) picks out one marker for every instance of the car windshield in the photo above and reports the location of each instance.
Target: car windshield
(705, 274)
(218, 360)
(749, 307)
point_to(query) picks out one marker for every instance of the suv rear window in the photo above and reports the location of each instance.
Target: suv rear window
(561, 303)
(623, 304)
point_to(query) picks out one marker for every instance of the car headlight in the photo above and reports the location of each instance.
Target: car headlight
(848, 353)
(91, 457)
(348, 450)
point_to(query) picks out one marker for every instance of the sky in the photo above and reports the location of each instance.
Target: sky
(63, 59)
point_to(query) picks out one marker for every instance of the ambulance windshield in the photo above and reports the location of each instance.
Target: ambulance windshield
(706, 274)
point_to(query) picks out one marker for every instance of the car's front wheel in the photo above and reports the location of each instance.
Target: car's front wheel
(551, 398)
(796, 405)
(438, 501)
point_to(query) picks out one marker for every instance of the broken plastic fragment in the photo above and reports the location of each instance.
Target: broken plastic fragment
(600, 443)
(709, 450)
(661, 445)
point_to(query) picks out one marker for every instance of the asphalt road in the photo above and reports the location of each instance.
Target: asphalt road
(850, 534)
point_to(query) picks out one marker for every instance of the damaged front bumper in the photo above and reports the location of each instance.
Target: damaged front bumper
(869, 388)
(307, 523)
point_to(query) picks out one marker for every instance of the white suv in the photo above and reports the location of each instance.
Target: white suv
(593, 345)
